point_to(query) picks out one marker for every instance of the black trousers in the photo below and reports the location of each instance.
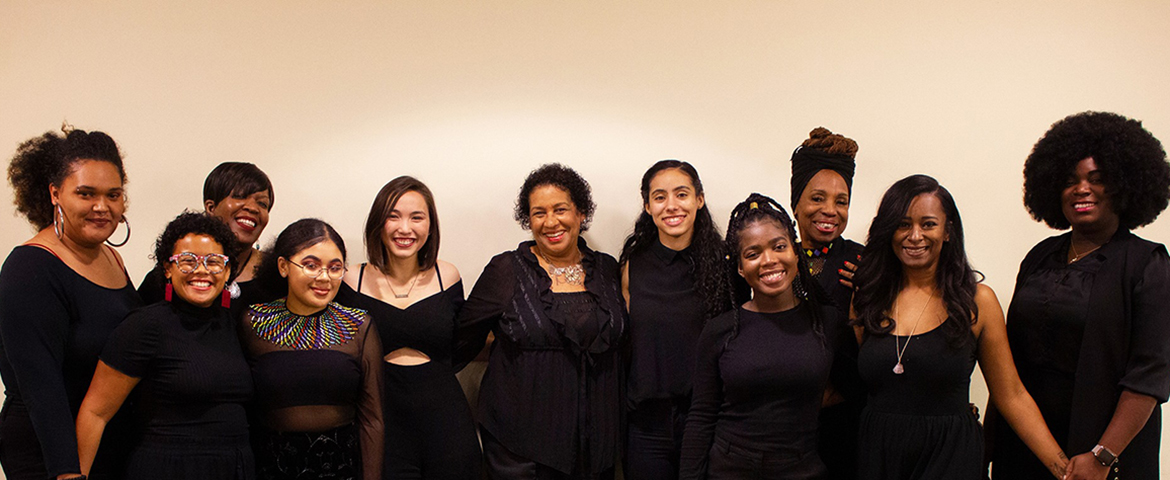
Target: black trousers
(741, 462)
(502, 464)
(430, 433)
(654, 439)
(20, 450)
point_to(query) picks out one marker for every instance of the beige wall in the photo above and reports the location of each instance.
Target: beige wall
(333, 99)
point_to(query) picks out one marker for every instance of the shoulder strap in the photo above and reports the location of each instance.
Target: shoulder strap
(45, 248)
(439, 276)
(119, 260)
(361, 274)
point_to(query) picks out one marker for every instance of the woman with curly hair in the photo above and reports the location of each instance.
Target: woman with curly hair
(762, 368)
(552, 400)
(183, 359)
(61, 294)
(673, 280)
(822, 183)
(923, 319)
(1088, 322)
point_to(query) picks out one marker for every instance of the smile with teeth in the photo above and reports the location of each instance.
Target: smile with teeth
(200, 284)
(1084, 206)
(825, 227)
(246, 222)
(404, 242)
(915, 251)
(555, 237)
(674, 221)
(772, 277)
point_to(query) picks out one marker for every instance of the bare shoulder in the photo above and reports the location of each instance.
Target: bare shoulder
(353, 276)
(448, 271)
(985, 296)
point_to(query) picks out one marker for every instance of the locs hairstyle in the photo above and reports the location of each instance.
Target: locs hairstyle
(760, 208)
(238, 180)
(46, 160)
(298, 236)
(706, 243)
(192, 223)
(1132, 161)
(879, 277)
(561, 177)
(383, 204)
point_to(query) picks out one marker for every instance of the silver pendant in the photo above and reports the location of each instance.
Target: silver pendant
(402, 296)
(898, 368)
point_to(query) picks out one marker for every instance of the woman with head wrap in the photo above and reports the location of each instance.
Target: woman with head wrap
(822, 182)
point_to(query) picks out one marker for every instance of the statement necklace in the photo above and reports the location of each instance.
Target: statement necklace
(898, 369)
(333, 326)
(573, 274)
(817, 252)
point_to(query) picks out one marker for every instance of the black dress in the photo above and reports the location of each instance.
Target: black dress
(429, 429)
(550, 395)
(53, 324)
(918, 425)
(757, 389)
(190, 401)
(1080, 333)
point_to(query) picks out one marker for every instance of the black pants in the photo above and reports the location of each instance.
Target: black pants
(502, 464)
(20, 450)
(332, 454)
(429, 430)
(654, 439)
(838, 426)
(741, 462)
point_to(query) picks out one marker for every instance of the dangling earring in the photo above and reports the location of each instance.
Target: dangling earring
(127, 222)
(57, 214)
(226, 299)
(170, 292)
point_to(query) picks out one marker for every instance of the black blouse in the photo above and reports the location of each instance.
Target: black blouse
(845, 378)
(194, 379)
(543, 377)
(1088, 331)
(666, 318)
(53, 324)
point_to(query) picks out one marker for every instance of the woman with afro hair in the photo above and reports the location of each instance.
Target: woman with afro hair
(1087, 324)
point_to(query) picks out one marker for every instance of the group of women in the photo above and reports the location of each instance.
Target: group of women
(777, 350)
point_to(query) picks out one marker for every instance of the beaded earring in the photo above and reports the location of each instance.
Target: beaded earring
(170, 291)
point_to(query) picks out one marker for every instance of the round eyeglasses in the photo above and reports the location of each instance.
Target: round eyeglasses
(188, 262)
(313, 269)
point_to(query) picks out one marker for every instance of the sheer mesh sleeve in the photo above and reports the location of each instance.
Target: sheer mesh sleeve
(369, 408)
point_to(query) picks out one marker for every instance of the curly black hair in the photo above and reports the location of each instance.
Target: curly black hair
(46, 160)
(561, 177)
(1132, 162)
(196, 223)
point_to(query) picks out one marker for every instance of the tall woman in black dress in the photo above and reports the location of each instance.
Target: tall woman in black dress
(552, 400)
(413, 298)
(317, 365)
(673, 279)
(762, 368)
(1088, 323)
(923, 320)
(822, 182)
(61, 294)
(184, 359)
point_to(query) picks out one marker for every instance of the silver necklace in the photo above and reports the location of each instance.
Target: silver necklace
(901, 350)
(573, 274)
(386, 277)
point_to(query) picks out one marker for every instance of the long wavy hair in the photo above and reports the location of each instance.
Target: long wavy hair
(879, 278)
(706, 242)
(760, 208)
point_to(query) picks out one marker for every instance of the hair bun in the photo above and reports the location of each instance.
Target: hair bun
(825, 140)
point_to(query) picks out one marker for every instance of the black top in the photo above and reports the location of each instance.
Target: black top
(936, 378)
(844, 376)
(666, 318)
(762, 389)
(1109, 307)
(194, 379)
(427, 325)
(53, 324)
(541, 375)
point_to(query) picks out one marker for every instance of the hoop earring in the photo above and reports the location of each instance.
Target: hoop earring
(127, 239)
(57, 214)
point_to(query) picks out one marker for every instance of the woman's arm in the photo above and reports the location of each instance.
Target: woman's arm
(706, 398)
(488, 301)
(1008, 394)
(107, 392)
(369, 408)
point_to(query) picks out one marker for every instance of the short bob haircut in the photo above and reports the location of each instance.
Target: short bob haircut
(237, 180)
(46, 160)
(191, 223)
(384, 203)
(1132, 161)
(561, 177)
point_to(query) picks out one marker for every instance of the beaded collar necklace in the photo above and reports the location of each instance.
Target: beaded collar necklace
(333, 326)
(817, 252)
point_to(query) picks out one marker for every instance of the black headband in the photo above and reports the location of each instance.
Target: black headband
(806, 162)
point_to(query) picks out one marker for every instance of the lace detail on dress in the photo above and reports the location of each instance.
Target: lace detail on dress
(335, 325)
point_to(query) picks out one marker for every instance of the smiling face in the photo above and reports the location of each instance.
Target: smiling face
(200, 287)
(823, 209)
(555, 221)
(1084, 200)
(768, 262)
(920, 236)
(673, 204)
(408, 226)
(92, 202)
(308, 295)
(246, 216)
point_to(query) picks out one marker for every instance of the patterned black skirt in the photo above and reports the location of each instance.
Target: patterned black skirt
(332, 454)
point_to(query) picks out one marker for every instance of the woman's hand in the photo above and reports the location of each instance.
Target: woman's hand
(1085, 467)
(845, 275)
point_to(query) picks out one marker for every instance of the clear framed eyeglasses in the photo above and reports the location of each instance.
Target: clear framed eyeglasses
(313, 269)
(188, 262)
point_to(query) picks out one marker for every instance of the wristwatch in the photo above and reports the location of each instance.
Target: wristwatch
(1104, 455)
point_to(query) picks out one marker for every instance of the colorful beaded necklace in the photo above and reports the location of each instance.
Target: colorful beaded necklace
(330, 327)
(817, 252)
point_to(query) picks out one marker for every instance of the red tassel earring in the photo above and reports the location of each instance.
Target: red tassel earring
(170, 291)
(227, 299)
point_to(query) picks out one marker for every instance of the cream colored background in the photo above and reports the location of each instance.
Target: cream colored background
(333, 99)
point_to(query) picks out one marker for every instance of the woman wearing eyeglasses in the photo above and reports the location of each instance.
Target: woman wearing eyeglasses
(184, 360)
(316, 365)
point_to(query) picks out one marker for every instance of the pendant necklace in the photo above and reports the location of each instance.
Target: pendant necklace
(901, 350)
(1078, 256)
(573, 274)
(386, 277)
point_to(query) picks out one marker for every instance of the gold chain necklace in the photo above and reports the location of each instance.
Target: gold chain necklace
(386, 277)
